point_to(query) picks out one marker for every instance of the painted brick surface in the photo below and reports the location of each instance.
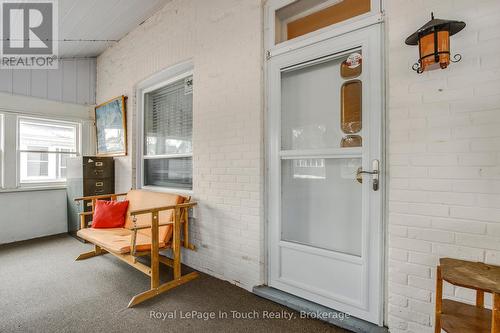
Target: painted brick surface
(444, 156)
(224, 40)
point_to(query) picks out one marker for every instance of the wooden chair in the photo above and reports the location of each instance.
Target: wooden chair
(457, 317)
(154, 222)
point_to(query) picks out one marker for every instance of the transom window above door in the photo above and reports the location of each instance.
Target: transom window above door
(305, 16)
(296, 23)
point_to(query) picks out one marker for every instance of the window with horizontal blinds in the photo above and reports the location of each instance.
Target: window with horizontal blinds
(168, 129)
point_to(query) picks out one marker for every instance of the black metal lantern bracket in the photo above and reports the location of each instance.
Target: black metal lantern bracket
(434, 26)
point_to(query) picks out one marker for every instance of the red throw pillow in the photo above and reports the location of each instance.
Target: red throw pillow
(109, 214)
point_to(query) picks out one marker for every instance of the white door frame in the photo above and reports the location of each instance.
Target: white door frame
(327, 43)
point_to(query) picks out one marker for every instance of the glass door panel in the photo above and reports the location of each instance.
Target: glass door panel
(320, 108)
(311, 106)
(321, 203)
(321, 200)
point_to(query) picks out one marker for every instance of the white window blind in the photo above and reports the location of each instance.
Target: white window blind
(168, 128)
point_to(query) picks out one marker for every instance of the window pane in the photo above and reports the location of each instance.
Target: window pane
(39, 170)
(310, 109)
(44, 147)
(41, 135)
(169, 172)
(168, 119)
(62, 160)
(37, 163)
(321, 203)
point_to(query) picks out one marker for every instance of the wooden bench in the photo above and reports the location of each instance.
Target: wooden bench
(154, 222)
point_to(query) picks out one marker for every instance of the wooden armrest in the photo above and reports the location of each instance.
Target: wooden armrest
(139, 227)
(86, 213)
(102, 196)
(158, 209)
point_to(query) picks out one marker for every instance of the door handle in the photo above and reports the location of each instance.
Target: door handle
(374, 173)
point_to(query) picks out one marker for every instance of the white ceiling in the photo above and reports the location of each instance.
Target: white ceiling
(90, 20)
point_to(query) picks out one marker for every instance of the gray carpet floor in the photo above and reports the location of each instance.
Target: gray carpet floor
(42, 289)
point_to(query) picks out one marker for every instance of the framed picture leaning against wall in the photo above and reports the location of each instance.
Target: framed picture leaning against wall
(111, 127)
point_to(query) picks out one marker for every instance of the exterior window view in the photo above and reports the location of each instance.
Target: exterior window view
(250, 165)
(44, 147)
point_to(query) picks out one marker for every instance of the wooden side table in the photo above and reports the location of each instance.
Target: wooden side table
(457, 317)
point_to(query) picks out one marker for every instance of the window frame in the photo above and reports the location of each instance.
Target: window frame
(157, 81)
(52, 121)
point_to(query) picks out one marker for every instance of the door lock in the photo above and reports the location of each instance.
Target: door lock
(375, 174)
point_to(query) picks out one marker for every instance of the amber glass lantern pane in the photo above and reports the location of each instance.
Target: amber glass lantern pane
(350, 111)
(426, 45)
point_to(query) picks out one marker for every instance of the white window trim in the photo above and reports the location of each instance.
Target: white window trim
(44, 184)
(156, 81)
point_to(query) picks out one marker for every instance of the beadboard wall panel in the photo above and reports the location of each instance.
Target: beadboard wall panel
(72, 82)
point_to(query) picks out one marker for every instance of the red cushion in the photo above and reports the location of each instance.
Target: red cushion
(109, 214)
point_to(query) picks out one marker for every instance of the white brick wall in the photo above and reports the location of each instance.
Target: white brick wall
(224, 40)
(444, 155)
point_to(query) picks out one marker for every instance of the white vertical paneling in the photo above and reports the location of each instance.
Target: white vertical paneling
(54, 84)
(10, 152)
(37, 221)
(93, 80)
(72, 82)
(88, 138)
(21, 81)
(39, 87)
(82, 81)
(69, 80)
(6, 80)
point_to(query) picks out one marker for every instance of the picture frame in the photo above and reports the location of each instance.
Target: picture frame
(111, 127)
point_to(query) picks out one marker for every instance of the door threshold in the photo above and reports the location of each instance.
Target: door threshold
(331, 316)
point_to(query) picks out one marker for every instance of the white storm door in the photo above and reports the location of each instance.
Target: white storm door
(324, 128)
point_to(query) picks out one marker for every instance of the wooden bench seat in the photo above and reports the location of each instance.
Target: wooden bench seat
(117, 240)
(153, 222)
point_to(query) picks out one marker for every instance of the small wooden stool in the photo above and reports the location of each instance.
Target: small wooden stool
(457, 317)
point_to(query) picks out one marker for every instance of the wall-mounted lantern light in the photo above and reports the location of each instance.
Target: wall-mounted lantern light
(433, 41)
